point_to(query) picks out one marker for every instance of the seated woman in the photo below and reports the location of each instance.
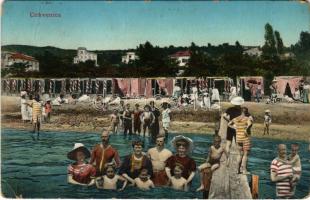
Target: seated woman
(80, 172)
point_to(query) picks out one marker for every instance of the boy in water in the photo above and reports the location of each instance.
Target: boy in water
(36, 114)
(147, 118)
(211, 164)
(127, 119)
(267, 121)
(178, 182)
(136, 119)
(110, 179)
(114, 121)
(143, 182)
(294, 160)
(241, 124)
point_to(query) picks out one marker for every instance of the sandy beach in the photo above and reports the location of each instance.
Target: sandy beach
(290, 121)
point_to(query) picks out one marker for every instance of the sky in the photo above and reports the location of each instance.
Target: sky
(104, 25)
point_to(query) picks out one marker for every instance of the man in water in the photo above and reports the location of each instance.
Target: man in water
(103, 154)
(281, 172)
(155, 125)
(159, 156)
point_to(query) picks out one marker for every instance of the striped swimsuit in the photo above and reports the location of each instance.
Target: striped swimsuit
(282, 169)
(241, 124)
(36, 111)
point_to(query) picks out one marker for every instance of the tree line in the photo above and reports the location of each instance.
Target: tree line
(221, 60)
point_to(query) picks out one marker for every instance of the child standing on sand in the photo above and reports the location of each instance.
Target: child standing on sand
(212, 163)
(166, 117)
(109, 181)
(114, 121)
(267, 121)
(48, 110)
(178, 182)
(143, 182)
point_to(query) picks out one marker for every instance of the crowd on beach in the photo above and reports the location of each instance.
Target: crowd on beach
(159, 167)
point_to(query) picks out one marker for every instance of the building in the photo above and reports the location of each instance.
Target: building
(130, 56)
(83, 55)
(253, 51)
(10, 58)
(182, 57)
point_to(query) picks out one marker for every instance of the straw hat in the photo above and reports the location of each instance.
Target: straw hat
(78, 147)
(237, 101)
(267, 111)
(189, 141)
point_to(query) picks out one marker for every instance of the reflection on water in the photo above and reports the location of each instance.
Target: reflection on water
(37, 169)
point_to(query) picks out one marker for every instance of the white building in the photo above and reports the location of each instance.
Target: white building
(254, 51)
(84, 55)
(182, 58)
(9, 58)
(130, 56)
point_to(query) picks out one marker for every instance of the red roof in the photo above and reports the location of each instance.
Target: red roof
(22, 57)
(181, 54)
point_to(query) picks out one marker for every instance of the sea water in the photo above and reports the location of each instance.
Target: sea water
(38, 168)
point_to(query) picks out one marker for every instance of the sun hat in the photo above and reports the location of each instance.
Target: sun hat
(78, 147)
(189, 141)
(267, 111)
(274, 80)
(237, 101)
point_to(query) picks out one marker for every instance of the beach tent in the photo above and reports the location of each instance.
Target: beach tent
(286, 84)
(122, 86)
(253, 82)
(165, 86)
(103, 86)
(137, 87)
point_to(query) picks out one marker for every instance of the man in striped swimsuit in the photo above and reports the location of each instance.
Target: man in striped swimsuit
(36, 114)
(281, 172)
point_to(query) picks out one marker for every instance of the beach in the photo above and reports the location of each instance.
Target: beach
(289, 121)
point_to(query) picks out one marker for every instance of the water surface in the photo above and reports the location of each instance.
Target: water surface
(37, 169)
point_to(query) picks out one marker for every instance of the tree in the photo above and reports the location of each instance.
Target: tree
(279, 42)
(269, 48)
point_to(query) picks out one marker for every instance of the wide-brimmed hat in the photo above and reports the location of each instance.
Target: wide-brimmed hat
(78, 147)
(48, 99)
(189, 141)
(237, 101)
(274, 80)
(267, 111)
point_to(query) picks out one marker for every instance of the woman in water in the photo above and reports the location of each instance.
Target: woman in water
(80, 172)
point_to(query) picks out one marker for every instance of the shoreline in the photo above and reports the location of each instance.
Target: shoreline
(278, 131)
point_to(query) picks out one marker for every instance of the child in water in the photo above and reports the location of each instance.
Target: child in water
(114, 121)
(294, 160)
(178, 182)
(147, 118)
(143, 182)
(109, 181)
(212, 162)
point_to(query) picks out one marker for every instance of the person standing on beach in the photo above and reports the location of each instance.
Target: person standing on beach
(281, 173)
(104, 154)
(36, 114)
(48, 110)
(158, 156)
(155, 125)
(166, 117)
(127, 119)
(267, 121)
(114, 121)
(24, 110)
